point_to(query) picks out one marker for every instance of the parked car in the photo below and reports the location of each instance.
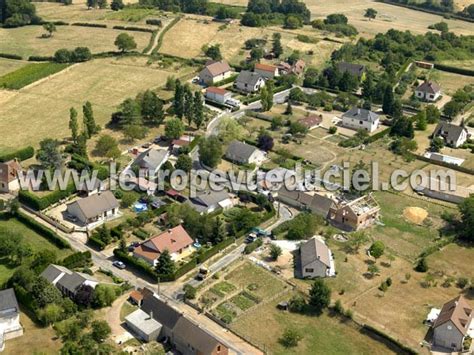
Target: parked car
(202, 274)
(118, 264)
(251, 238)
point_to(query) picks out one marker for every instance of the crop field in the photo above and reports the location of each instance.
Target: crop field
(42, 110)
(10, 65)
(388, 17)
(29, 74)
(27, 41)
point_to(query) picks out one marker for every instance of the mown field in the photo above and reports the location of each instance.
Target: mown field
(27, 40)
(29, 74)
(389, 16)
(10, 65)
(42, 111)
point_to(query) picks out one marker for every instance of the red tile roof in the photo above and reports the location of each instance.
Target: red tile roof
(265, 67)
(136, 296)
(216, 90)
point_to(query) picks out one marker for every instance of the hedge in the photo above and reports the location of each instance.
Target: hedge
(132, 28)
(214, 250)
(228, 80)
(79, 259)
(162, 34)
(96, 242)
(448, 68)
(154, 21)
(149, 47)
(21, 154)
(39, 58)
(249, 248)
(43, 231)
(139, 264)
(85, 24)
(11, 56)
(40, 203)
(377, 136)
(401, 348)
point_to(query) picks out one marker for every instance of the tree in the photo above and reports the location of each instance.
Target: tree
(89, 121)
(319, 295)
(466, 228)
(388, 101)
(49, 155)
(152, 108)
(422, 265)
(174, 128)
(189, 292)
(104, 295)
(130, 113)
(403, 146)
(117, 5)
(276, 123)
(292, 22)
(275, 251)
(125, 42)
(165, 264)
(348, 82)
(15, 13)
(298, 128)
(51, 313)
(377, 249)
(102, 4)
(73, 125)
(213, 52)
(198, 116)
(356, 240)
(277, 48)
(178, 101)
(452, 109)
(256, 54)
(373, 269)
(107, 146)
(219, 230)
(421, 121)
(432, 113)
(229, 129)
(91, 4)
(184, 163)
(370, 13)
(100, 330)
(265, 141)
(188, 105)
(290, 338)
(210, 151)
(289, 108)
(368, 86)
(50, 28)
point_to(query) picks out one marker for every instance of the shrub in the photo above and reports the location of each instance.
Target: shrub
(155, 22)
(249, 248)
(78, 259)
(332, 129)
(189, 292)
(462, 282)
(11, 56)
(40, 203)
(85, 24)
(22, 154)
(297, 304)
(422, 265)
(290, 338)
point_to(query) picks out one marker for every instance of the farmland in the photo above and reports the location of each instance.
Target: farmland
(104, 82)
(29, 74)
(10, 65)
(27, 41)
(388, 17)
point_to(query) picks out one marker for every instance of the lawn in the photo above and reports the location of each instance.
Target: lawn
(328, 335)
(104, 82)
(29, 74)
(35, 340)
(10, 65)
(256, 280)
(27, 40)
(30, 237)
(450, 82)
(388, 16)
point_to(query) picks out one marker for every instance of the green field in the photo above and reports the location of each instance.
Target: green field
(30, 237)
(29, 74)
(10, 65)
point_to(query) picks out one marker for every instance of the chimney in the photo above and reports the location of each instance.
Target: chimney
(151, 314)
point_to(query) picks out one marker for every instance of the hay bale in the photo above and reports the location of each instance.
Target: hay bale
(415, 215)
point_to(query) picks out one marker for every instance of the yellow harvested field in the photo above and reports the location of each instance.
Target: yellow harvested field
(42, 109)
(9, 65)
(27, 41)
(389, 16)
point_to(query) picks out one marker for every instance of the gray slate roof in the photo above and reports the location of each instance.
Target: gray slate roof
(71, 280)
(152, 158)
(96, 205)
(429, 87)
(448, 130)
(52, 272)
(312, 250)
(316, 203)
(240, 152)
(248, 77)
(8, 301)
(361, 114)
(143, 321)
(354, 69)
(162, 312)
(197, 337)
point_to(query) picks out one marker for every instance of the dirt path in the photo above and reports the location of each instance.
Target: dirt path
(112, 316)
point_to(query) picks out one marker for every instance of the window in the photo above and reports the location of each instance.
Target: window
(309, 270)
(361, 122)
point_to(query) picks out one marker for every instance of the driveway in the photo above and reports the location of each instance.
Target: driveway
(112, 317)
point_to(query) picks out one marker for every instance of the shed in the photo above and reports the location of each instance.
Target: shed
(143, 325)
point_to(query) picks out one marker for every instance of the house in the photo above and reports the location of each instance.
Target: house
(249, 82)
(181, 142)
(95, 208)
(176, 240)
(67, 281)
(218, 95)
(267, 71)
(453, 135)
(453, 325)
(303, 200)
(356, 214)
(315, 259)
(243, 153)
(150, 161)
(210, 201)
(215, 71)
(434, 188)
(360, 118)
(175, 195)
(428, 91)
(357, 70)
(143, 325)
(10, 326)
(311, 121)
(142, 185)
(9, 171)
(297, 68)
(186, 336)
